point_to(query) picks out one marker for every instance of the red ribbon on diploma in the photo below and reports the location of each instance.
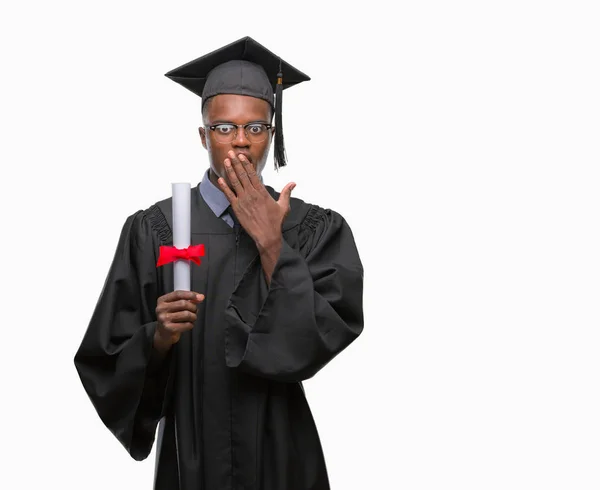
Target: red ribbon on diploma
(171, 254)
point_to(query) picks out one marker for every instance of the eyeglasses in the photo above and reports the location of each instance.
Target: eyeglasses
(226, 133)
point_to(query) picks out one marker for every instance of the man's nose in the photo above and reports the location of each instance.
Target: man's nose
(240, 139)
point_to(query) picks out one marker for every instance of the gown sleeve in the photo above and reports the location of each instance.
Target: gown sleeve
(118, 367)
(310, 312)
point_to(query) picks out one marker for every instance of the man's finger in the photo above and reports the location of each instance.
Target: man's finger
(180, 294)
(178, 328)
(240, 173)
(180, 305)
(236, 185)
(251, 172)
(229, 194)
(239, 169)
(182, 317)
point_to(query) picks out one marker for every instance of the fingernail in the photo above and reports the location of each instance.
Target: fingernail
(199, 297)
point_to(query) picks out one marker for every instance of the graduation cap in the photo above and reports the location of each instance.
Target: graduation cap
(243, 67)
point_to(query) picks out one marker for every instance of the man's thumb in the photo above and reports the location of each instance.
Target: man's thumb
(286, 193)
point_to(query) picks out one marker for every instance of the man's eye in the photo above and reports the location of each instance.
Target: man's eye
(225, 129)
(256, 128)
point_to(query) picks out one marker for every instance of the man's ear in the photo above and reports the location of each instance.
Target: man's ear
(202, 132)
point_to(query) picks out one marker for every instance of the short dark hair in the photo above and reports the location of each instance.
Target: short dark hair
(205, 104)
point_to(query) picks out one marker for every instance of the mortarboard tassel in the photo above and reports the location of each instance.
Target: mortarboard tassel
(279, 153)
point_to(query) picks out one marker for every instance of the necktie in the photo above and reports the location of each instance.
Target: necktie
(236, 223)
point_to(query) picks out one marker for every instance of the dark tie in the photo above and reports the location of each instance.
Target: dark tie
(236, 223)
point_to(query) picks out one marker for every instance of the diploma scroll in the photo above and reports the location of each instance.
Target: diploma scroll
(181, 234)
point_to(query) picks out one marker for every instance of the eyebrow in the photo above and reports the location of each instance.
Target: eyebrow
(221, 121)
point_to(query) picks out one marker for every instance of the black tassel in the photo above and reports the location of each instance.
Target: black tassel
(280, 157)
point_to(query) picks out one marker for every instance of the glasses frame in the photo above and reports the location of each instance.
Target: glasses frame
(213, 128)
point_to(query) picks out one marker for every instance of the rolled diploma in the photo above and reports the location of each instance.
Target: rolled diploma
(181, 234)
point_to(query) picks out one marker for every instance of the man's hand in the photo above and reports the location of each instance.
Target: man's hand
(176, 313)
(258, 213)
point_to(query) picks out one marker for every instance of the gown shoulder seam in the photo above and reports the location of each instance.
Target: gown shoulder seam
(315, 216)
(159, 224)
(312, 221)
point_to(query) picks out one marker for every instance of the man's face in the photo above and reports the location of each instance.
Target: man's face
(235, 109)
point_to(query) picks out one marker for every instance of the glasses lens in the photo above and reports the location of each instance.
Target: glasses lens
(256, 132)
(224, 133)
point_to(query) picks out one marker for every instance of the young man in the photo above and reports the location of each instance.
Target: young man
(278, 294)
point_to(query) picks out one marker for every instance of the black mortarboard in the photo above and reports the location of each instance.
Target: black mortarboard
(243, 67)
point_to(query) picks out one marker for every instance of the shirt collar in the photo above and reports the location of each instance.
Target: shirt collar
(213, 196)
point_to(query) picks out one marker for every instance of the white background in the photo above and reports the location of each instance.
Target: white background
(459, 139)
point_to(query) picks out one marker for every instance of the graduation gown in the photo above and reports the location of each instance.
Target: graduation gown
(228, 399)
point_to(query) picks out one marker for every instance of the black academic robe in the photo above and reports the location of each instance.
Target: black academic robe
(229, 395)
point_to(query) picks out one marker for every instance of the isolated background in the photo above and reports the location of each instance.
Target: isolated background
(460, 141)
